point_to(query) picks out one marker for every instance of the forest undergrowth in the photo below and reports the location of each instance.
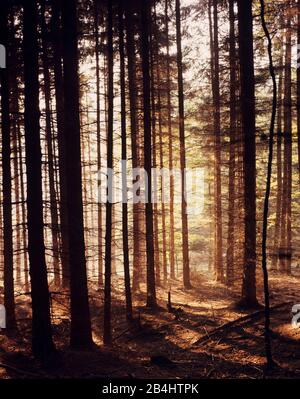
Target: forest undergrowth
(190, 337)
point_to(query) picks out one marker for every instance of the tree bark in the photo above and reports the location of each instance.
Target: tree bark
(248, 127)
(217, 132)
(9, 300)
(107, 335)
(42, 344)
(124, 164)
(184, 216)
(81, 334)
(145, 16)
(232, 152)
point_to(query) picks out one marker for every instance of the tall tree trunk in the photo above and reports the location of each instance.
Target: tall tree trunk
(59, 99)
(154, 86)
(268, 190)
(132, 84)
(279, 168)
(124, 165)
(107, 338)
(81, 334)
(232, 152)
(161, 150)
(145, 18)
(285, 255)
(184, 216)
(248, 126)
(51, 168)
(170, 145)
(217, 132)
(99, 206)
(9, 300)
(42, 344)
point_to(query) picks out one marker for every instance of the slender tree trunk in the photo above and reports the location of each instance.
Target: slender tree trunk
(107, 338)
(233, 139)
(99, 206)
(124, 165)
(81, 334)
(145, 17)
(267, 195)
(23, 202)
(217, 131)
(248, 125)
(170, 142)
(184, 215)
(59, 99)
(51, 168)
(42, 344)
(161, 152)
(154, 88)
(9, 300)
(279, 168)
(132, 84)
(285, 255)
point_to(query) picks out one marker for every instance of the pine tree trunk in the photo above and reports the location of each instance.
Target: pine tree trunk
(217, 131)
(145, 16)
(279, 169)
(248, 126)
(107, 337)
(285, 255)
(59, 99)
(124, 164)
(81, 335)
(42, 344)
(184, 216)
(99, 205)
(170, 149)
(233, 139)
(132, 84)
(51, 168)
(9, 300)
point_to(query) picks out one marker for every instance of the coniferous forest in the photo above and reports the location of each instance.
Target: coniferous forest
(149, 189)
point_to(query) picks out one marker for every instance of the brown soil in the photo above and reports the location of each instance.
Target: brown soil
(161, 344)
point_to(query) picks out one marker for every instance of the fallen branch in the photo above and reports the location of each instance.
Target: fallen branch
(229, 324)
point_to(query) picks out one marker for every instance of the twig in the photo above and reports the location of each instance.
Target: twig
(236, 321)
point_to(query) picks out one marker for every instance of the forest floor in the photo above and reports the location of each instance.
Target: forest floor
(161, 344)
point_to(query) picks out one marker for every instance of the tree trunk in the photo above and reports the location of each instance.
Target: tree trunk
(170, 145)
(132, 84)
(9, 300)
(107, 338)
(248, 127)
(232, 152)
(59, 99)
(145, 16)
(285, 255)
(81, 335)
(217, 132)
(184, 216)
(99, 205)
(51, 168)
(279, 168)
(124, 165)
(42, 344)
